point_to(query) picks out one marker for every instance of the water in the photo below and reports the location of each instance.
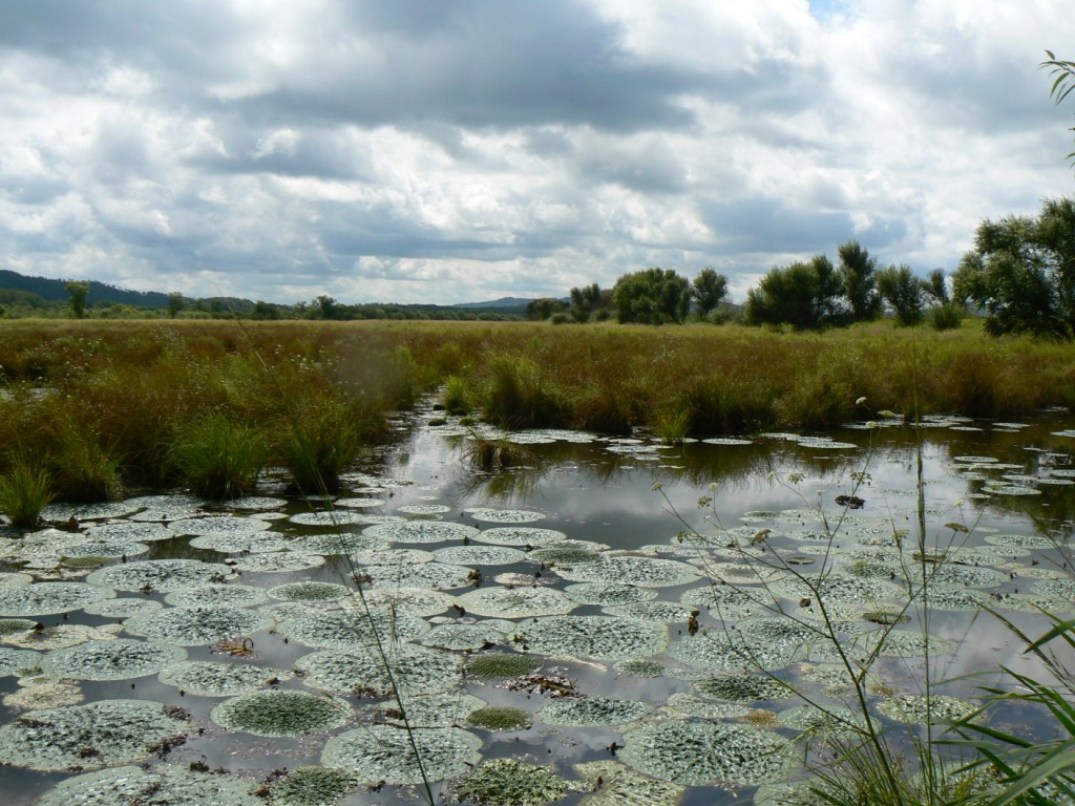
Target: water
(991, 480)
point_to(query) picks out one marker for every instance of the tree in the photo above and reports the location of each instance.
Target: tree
(652, 296)
(541, 309)
(902, 292)
(936, 287)
(78, 290)
(858, 270)
(176, 303)
(1022, 271)
(589, 302)
(1063, 84)
(708, 290)
(803, 295)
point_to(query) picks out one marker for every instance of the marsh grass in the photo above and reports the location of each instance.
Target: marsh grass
(129, 388)
(25, 490)
(1030, 770)
(218, 458)
(83, 469)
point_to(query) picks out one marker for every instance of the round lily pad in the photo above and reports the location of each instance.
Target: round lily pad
(459, 637)
(346, 629)
(519, 536)
(617, 785)
(159, 575)
(414, 670)
(507, 782)
(215, 679)
(385, 753)
(240, 542)
(703, 753)
(917, 709)
(508, 603)
(489, 515)
(47, 598)
(98, 734)
(608, 594)
(39, 693)
(118, 659)
(161, 784)
(499, 718)
(280, 713)
(217, 595)
(421, 532)
(313, 786)
(310, 591)
(480, 555)
(192, 626)
(584, 711)
(437, 576)
(218, 525)
(332, 519)
(278, 562)
(335, 543)
(501, 665)
(122, 608)
(412, 601)
(650, 572)
(601, 637)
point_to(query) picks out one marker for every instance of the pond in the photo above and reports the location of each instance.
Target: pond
(615, 614)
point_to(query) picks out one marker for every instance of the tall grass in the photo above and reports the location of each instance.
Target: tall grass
(25, 490)
(218, 458)
(130, 388)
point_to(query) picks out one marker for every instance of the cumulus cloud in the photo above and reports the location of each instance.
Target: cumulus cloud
(458, 151)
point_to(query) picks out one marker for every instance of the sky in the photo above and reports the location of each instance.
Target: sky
(447, 151)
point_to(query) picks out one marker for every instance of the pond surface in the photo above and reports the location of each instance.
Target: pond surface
(656, 591)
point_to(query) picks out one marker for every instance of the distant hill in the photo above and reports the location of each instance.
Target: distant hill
(504, 303)
(55, 291)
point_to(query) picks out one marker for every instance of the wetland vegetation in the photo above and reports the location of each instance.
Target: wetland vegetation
(520, 563)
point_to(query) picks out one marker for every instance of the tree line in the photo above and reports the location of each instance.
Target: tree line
(1020, 275)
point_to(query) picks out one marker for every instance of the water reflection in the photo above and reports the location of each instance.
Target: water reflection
(987, 481)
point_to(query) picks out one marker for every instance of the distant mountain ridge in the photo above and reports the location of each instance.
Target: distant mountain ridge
(55, 291)
(503, 302)
(51, 290)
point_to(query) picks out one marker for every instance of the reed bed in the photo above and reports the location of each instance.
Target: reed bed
(110, 403)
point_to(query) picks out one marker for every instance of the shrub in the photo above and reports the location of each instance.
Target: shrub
(948, 316)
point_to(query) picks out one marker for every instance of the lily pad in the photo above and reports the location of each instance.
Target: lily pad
(385, 753)
(118, 659)
(519, 536)
(586, 711)
(47, 598)
(421, 532)
(509, 603)
(214, 679)
(507, 782)
(159, 575)
(160, 785)
(98, 734)
(600, 637)
(705, 753)
(216, 596)
(414, 670)
(650, 572)
(193, 626)
(281, 713)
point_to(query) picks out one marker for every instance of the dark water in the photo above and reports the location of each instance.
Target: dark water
(604, 491)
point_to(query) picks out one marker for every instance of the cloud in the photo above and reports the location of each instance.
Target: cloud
(469, 150)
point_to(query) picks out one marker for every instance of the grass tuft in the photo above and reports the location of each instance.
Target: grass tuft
(25, 490)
